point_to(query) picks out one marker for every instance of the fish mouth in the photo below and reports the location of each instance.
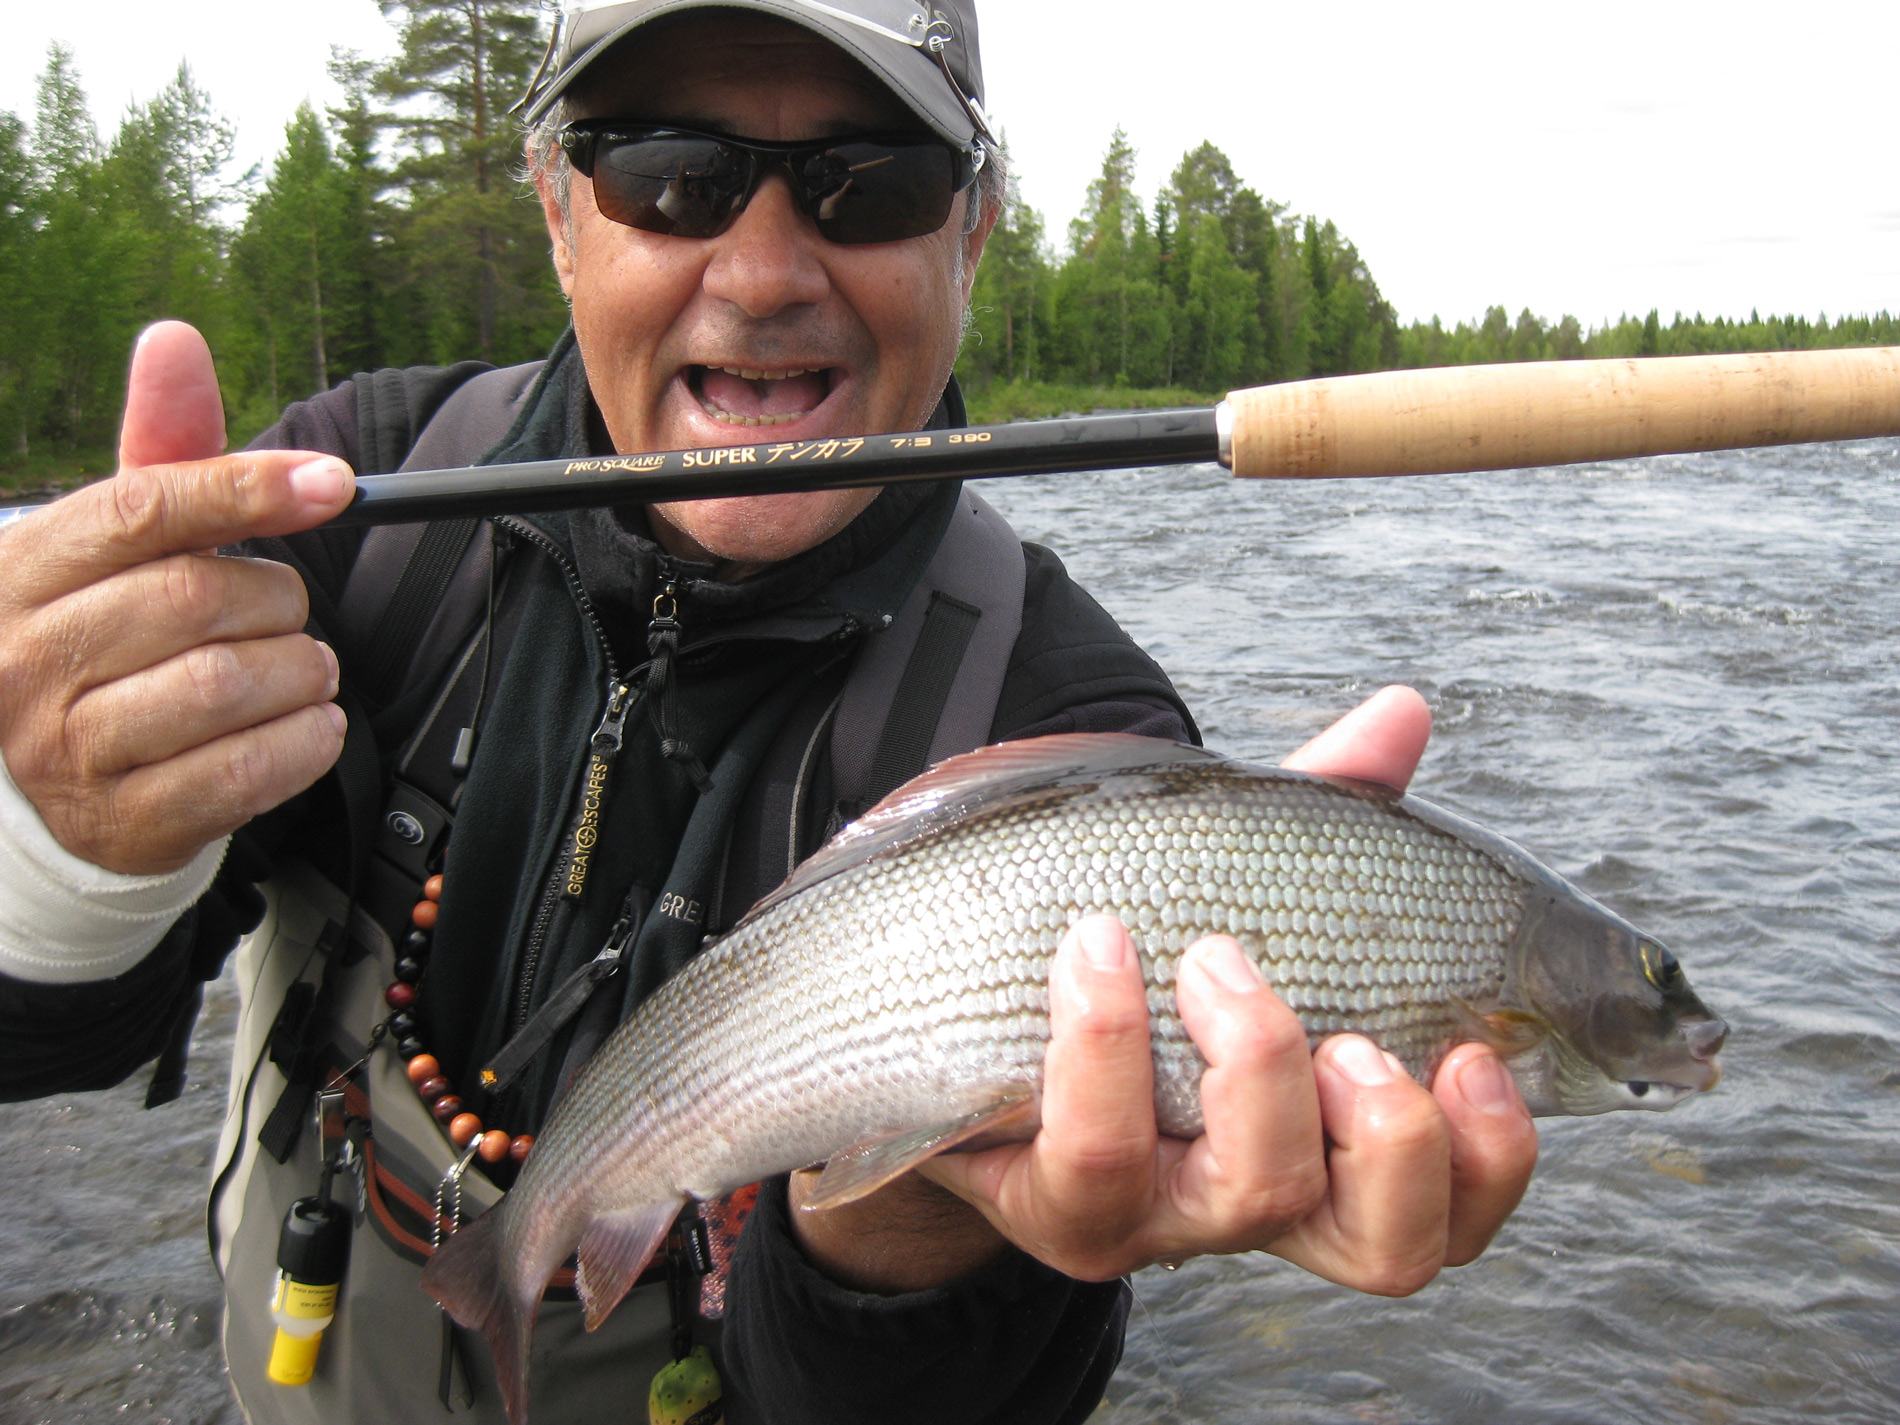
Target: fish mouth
(749, 397)
(1659, 1095)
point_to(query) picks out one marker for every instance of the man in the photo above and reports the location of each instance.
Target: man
(157, 699)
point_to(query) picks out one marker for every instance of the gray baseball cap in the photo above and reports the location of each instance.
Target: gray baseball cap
(925, 51)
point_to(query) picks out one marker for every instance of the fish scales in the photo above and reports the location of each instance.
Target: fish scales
(913, 979)
(900, 981)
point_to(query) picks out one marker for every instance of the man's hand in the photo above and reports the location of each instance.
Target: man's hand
(1335, 1160)
(154, 696)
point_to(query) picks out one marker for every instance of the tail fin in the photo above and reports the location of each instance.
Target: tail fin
(465, 1276)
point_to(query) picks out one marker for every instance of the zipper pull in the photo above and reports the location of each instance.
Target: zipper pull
(663, 643)
(613, 723)
(561, 1006)
(602, 748)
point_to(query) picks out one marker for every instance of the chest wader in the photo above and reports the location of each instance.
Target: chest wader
(311, 977)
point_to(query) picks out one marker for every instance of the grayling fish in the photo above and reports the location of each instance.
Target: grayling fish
(890, 1000)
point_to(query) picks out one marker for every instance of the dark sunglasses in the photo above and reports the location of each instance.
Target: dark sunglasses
(860, 189)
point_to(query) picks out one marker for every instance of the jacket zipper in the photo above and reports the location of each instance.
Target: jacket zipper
(607, 738)
(564, 1003)
(602, 748)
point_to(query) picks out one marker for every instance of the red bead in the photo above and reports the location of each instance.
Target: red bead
(425, 913)
(446, 1109)
(423, 1066)
(432, 888)
(463, 1128)
(494, 1146)
(521, 1147)
(432, 1089)
(399, 995)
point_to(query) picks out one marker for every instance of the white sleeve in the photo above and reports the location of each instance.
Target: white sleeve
(65, 921)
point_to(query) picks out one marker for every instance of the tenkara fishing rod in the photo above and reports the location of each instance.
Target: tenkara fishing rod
(1432, 421)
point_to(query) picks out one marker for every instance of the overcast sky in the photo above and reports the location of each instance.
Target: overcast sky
(1590, 159)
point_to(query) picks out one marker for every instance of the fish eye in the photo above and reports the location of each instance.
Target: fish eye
(1660, 968)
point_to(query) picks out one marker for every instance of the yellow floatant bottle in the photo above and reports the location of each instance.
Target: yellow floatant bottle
(687, 1392)
(313, 1248)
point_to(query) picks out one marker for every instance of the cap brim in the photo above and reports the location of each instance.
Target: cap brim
(908, 71)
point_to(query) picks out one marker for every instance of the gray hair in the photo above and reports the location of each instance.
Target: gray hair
(546, 162)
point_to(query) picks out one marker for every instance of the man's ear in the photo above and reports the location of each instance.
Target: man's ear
(973, 242)
(560, 227)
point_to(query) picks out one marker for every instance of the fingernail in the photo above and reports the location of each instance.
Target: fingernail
(1227, 965)
(1359, 1060)
(319, 482)
(1104, 943)
(1486, 1086)
(341, 722)
(329, 661)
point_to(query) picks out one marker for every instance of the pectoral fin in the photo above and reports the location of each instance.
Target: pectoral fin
(863, 1168)
(1509, 1031)
(614, 1251)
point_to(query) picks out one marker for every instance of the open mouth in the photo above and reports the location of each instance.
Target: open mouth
(750, 396)
(1657, 1094)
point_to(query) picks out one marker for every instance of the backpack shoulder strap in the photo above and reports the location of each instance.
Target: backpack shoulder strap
(926, 687)
(406, 592)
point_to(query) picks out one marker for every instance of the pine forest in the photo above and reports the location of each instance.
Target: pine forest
(395, 229)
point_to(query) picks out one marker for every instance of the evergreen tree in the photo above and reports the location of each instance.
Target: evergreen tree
(293, 258)
(360, 334)
(1253, 228)
(1114, 316)
(163, 180)
(478, 248)
(1011, 296)
(75, 273)
(1221, 315)
(19, 306)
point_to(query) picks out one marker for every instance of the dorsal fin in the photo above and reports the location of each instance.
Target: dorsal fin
(977, 781)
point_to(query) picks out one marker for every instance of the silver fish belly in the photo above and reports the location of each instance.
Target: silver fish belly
(893, 995)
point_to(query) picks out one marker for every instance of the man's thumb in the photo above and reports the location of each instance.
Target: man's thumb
(173, 411)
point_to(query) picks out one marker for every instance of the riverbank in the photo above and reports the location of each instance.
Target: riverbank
(999, 403)
(43, 475)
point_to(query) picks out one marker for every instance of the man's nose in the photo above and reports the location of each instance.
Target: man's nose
(768, 260)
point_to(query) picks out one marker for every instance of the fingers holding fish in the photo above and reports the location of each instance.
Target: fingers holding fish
(1098, 1192)
(1493, 1147)
(1079, 1195)
(1259, 1165)
(1382, 1226)
(1091, 1168)
(1380, 741)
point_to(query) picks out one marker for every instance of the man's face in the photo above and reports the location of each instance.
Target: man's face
(767, 332)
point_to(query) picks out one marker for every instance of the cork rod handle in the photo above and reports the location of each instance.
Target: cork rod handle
(1448, 419)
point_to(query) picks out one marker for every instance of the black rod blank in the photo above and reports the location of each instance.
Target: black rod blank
(784, 467)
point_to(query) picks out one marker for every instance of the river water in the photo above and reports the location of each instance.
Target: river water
(1674, 680)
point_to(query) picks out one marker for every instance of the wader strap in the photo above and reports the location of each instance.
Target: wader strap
(922, 693)
(926, 687)
(425, 578)
(301, 1020)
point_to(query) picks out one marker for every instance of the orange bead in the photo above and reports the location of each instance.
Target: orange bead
(521, 1147)
(424, 914)
(432, 888)
(423, 1066)
(463, 1128)
(494, 1146)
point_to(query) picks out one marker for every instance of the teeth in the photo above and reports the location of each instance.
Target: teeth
(727, 418)
(748, 373)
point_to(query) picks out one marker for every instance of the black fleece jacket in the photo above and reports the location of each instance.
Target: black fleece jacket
(1015, 1341)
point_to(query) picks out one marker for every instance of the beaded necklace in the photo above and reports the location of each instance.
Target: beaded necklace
(464, 1129)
